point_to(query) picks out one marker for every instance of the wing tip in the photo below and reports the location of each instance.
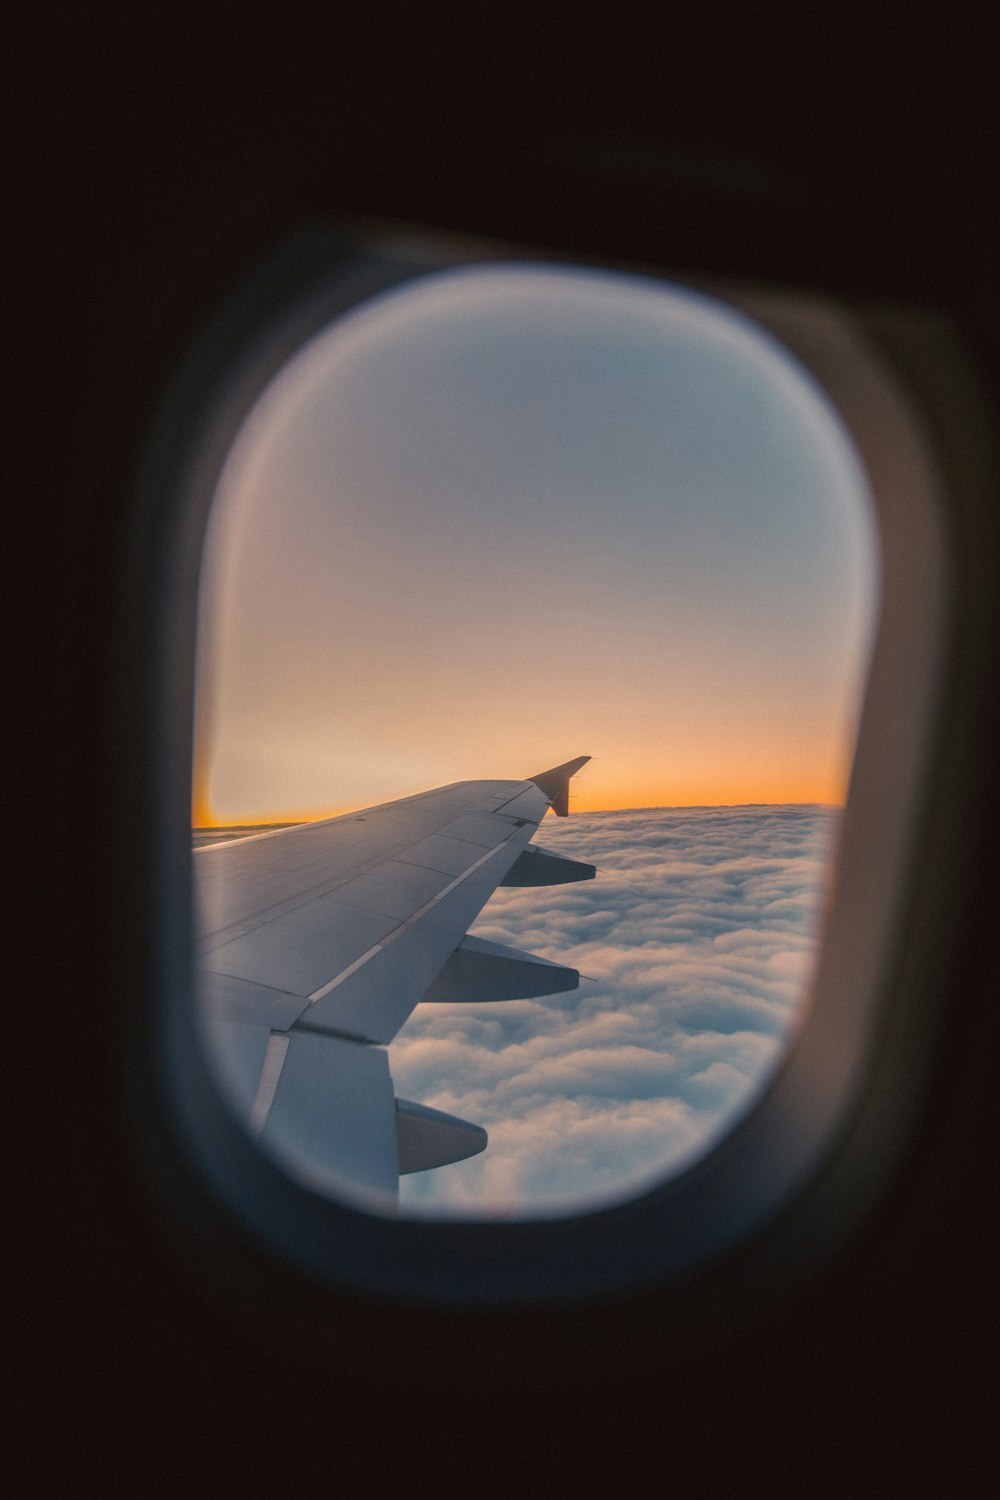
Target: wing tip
(554, 783)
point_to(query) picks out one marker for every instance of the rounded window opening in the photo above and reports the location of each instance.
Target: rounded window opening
(489, 521)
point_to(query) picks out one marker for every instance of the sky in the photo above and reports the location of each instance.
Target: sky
(506, 515)
(698, 936)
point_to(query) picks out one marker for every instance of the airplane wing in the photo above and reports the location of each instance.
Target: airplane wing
(315, 943)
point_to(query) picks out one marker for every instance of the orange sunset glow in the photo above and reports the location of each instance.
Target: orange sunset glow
(703, 782)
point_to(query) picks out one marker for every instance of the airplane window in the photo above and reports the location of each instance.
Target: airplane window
(488, 521)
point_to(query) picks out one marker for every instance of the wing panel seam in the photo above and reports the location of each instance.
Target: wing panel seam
(410, 920)
(220, 936)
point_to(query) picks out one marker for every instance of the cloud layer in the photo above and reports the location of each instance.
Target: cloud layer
(698, 937)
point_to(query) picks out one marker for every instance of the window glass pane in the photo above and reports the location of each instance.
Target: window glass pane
(502, 516)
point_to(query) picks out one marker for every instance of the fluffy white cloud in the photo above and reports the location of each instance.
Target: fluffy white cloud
(697, 937)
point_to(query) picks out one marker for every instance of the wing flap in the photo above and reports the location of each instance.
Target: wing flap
(332, 1121)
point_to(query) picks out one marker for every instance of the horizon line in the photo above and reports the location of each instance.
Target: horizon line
(645, 807)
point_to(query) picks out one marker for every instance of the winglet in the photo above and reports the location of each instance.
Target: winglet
(555, 783)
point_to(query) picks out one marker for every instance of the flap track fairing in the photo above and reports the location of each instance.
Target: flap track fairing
(482, 971)
(535, 866)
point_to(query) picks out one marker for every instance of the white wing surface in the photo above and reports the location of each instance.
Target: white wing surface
(315, 943)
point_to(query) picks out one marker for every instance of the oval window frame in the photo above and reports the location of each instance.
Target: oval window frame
(810, 1122)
